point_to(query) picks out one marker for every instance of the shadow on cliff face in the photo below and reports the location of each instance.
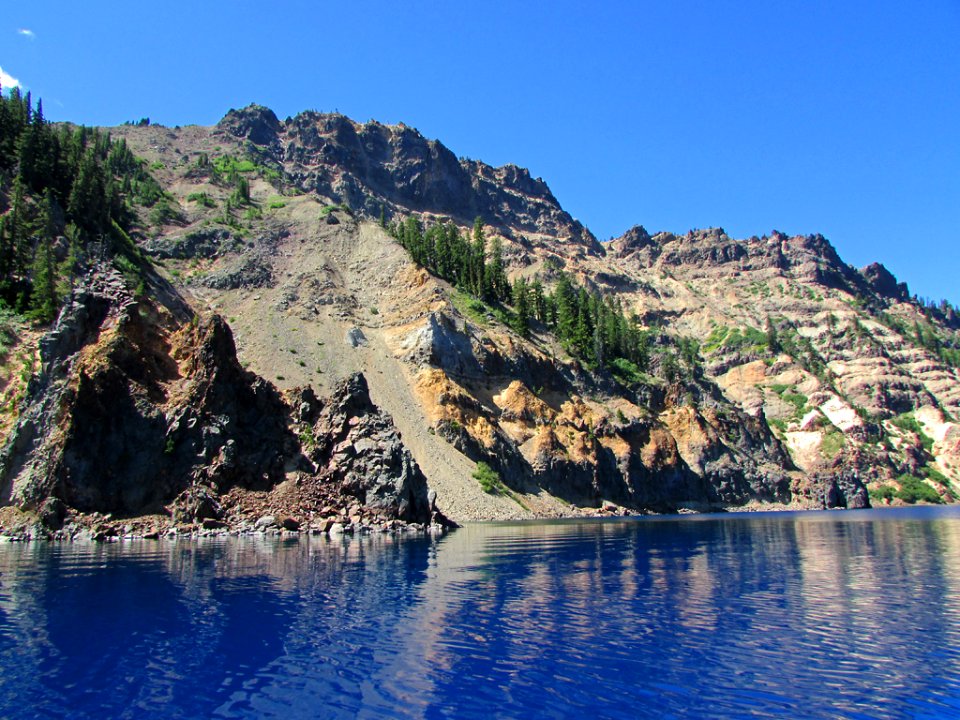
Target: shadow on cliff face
(135, 407)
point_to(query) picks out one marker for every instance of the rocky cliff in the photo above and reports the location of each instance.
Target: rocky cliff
(139, 418)
(808, 382)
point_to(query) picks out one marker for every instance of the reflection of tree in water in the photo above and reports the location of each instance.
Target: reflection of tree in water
(113, 631)
(724, 616)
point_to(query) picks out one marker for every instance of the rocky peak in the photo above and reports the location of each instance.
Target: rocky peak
(255, 123)
(637, 245)
(883, 282)
(395, 168)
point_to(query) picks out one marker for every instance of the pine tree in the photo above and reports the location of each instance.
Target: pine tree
(521, 307)
(566, 308)
(539, 301)
(43, 295)
(583, 330)
(17, 227)
(773, 340)
(71, 264)
(478, 257)
(496, 278)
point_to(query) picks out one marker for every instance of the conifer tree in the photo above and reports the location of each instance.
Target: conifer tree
(43, 295)
(478, 255)
(539, 300)
(496, 277)
(521, 307)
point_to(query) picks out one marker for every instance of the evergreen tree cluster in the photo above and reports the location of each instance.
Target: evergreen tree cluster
(62, 188)
(590, 327)
(457, 258)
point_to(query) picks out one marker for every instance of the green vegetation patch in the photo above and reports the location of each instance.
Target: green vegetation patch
(470, 307)
(202, 199)
(630, 374)
(746, 339)
(799, 402)
(884, 492)
(832, 443)
(229, 164)
(913, 490)
(938, 477)
(489, 479)
(490, 483)
(909, 423)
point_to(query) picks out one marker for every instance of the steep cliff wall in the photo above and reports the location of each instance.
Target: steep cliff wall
(810, 379)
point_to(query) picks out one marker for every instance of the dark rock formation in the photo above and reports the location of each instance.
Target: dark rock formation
(206, 243)
(884, 283)
(374, 166)
(358, 446)
(255, 123)
(137, 413)
(249, 272)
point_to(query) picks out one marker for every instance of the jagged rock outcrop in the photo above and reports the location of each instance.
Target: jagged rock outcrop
(137, 412)
(203, 243)
(802, 367)
(358, 447)
(884, 283)
(375, 166)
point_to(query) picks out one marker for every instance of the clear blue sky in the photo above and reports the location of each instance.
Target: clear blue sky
(834, 117)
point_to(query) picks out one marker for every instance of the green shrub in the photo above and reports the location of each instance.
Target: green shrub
(938, 477)
(832, 444)
(488, 478)
(913, 489)
(162, 213)
(625, 371)
(884, 492)
(202, 199)
(799, 402)
(909, 423)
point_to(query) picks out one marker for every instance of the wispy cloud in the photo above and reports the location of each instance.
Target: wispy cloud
(27, 33)
(7, 80)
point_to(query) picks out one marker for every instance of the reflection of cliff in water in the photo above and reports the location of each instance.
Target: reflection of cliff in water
(795, 604)
(191, 625)
(818, 614)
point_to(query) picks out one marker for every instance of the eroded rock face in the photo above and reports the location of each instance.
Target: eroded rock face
(358, 446)
(648, 453)
(136, 409)
(374, 166)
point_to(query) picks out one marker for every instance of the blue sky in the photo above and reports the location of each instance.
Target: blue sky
(835, 117)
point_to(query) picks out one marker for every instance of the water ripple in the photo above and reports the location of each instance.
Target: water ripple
(851, 616)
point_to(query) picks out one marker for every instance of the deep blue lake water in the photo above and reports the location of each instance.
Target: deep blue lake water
(791, 614)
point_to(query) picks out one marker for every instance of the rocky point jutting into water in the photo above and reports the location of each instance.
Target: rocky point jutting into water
(771, 373)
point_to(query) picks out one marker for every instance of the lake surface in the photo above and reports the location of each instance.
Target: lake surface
(794, 614)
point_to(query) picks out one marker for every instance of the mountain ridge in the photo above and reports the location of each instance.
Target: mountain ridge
(771, 374)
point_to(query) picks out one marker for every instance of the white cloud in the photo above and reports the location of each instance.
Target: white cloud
(27, 33)
(7, 80)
